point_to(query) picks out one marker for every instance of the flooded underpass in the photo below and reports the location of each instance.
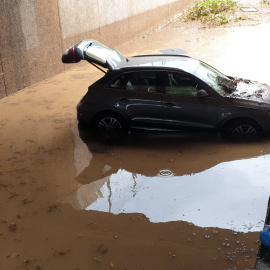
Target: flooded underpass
(156, 201)
(153, 202)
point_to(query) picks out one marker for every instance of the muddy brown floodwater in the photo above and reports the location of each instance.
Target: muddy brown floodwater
(157, 201)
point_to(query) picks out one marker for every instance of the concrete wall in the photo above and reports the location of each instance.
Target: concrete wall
(30, 42)
(34, 33)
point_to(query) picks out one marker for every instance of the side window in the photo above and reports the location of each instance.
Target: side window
(136, 81)
(181, 84)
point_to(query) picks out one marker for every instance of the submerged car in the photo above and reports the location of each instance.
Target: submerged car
(167, 92)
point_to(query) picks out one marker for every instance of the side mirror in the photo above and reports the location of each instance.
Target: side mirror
(202, 93)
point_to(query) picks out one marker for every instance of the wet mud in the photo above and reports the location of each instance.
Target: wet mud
(67, 201)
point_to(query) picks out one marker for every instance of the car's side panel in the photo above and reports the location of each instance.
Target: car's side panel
(182, 112)
(182, 108)
(144, 109)
(140, 109)
(244, 109)
(138, 97)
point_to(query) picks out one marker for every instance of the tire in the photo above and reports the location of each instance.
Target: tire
(242, 130)
(111, 127)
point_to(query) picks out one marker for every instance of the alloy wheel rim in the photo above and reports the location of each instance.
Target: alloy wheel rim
(109, 127)
(244, 131)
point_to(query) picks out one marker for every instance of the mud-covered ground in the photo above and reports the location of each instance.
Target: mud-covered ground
(157, 201)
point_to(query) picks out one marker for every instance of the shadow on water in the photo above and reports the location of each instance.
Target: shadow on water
(154, 153)
(184, 171)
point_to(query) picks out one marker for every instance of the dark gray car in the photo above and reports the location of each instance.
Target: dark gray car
(167, 92)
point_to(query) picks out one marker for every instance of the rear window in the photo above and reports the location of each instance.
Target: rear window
(136, 81)
(104, 54)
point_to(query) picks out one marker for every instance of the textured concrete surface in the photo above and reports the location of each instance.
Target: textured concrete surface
(88, 15)
(30, 42)
(34, 34)
(2, 83)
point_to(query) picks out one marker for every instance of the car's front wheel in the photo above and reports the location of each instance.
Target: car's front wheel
(111, 127)
(242, 130)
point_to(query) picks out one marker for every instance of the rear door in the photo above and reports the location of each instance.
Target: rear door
(139, 98)
(182, 109)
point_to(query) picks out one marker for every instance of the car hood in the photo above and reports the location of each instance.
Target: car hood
(94, 52)
(251, 90)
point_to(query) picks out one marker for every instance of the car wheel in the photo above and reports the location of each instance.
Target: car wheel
(242, 130)
(111, 127)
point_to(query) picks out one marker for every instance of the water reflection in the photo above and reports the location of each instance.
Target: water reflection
(152, 154)
(194, 180)
(232, 195)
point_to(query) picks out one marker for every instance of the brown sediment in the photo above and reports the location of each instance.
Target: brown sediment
(40, 175)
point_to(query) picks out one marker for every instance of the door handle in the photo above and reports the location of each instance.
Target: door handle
(169, 104)
(124, 100)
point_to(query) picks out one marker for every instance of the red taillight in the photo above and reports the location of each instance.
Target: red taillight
(71, 55)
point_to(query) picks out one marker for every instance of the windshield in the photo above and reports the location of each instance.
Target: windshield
(212, 77)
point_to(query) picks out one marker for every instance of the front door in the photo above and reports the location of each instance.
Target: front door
(182, 108)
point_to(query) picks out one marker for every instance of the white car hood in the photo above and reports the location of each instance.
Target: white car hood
(251, 90)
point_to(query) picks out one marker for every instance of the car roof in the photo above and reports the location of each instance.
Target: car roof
(181, 62)
(99, 54)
